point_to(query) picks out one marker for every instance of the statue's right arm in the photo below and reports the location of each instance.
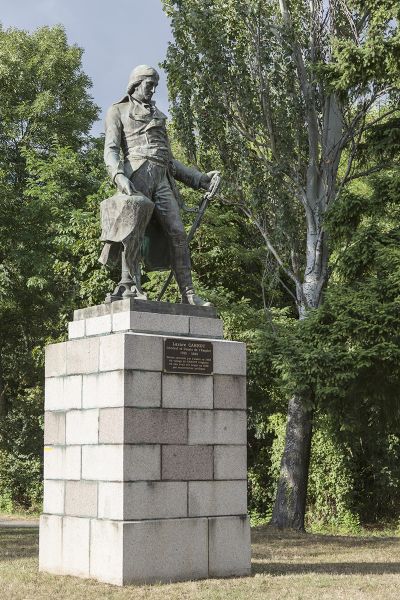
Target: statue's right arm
(112, 142)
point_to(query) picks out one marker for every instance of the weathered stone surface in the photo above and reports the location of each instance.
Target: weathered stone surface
(82, 426)
(111, 426)
(53, 497)
(103, 389)
(142, 463)
(165, 550)
(230, 462)
(63, 393)
(81, 498)
(142, 500)
(205, 327)
(213, 498)
(121, 463)
(187, 391)
(98, 325)
(130, 304)
(229, 546)
(50, 546)
(76, 329)
(83, 356)
(151, 323)
(55, 360)
(143, 352)
(229, 358)
(54, 427)
(75, 546)
(182, 463)
(106, 551)
(229, 391)
(217, 427)
(62, 462)
(155, 426)
(142, 388)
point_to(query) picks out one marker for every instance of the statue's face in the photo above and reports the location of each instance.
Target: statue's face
(145, 90)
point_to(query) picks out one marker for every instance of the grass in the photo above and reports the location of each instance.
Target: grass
(284, 565)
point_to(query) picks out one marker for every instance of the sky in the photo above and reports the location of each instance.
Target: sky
(116, 36)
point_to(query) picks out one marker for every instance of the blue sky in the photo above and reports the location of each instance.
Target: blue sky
(116, 36)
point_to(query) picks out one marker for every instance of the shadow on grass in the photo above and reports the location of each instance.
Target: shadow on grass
(340, 568)
(18, 542)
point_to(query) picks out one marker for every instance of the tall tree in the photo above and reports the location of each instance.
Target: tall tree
(286, 93)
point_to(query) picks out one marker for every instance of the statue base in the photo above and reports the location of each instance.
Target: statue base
(145, 447)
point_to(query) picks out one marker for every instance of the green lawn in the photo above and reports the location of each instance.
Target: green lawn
(291, 566)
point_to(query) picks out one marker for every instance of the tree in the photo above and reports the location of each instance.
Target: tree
(286, 94)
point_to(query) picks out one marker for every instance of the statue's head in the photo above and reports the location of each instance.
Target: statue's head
(143, 82)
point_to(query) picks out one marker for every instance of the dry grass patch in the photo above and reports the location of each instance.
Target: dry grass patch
(295, 566)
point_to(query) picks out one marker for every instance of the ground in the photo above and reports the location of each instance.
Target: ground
(295, 566)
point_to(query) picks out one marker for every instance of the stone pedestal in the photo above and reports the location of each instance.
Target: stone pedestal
(145, 471)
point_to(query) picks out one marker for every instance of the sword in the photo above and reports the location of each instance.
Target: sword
(208, 196)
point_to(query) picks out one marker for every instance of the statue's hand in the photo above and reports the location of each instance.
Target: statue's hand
(205, 181)
(124, 184)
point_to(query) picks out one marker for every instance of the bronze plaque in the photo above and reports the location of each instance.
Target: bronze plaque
(186, 356)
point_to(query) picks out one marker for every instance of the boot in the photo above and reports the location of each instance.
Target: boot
(182, 270)
(189, 297)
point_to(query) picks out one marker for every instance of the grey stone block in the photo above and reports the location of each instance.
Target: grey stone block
(151, 323)
(205, 327)
(103, 389)
(98, 325)
(230, 462)
(229, 358)
(63, 393)
(81, 498)
(187, 391)
(75, 546)
(121, 463)
(82, 426)
(83, 356)
(165, 308)
(106, 551)
(165, 550)
(53, 497)
(142, 388)
(62, 462)
(50, 544)
(76, 329)
(142, 500)
(112, 426)
(230, 391)
(155, 426)
(143, 352)
(213, 498)
(142, 463)
(55, 360)
(92, 311)
(54, 427)
(187, 462)
(217, 427)
(229, 547)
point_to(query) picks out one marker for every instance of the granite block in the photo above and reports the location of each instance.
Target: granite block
(187, 391)
(53, 497)
(182, 463)
(54, 427)
(82, 426)
(230, 391)
(217, 427)
(213, 498)
(56, 360)
(230, 462)
(229, 547)
(83, 356)
(81, 498)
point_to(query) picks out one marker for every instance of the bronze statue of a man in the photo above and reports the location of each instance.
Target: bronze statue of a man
(139, 160)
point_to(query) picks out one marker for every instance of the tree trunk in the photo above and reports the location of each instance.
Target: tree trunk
(3, 406)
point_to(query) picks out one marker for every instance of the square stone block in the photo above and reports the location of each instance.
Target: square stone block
(187, 462)
(75, 546)
(165, 550)
(81, 498)
(83, 356)
(187, 391)
(229, 547)
(62, 462)
(213, 498)
(205, 327)
(229, 358)
(98, 325)
(142, 463)
(151, 323)
(53, 497)
(142, 388)
(142, 500)
(50, 544)
(54, 427)
(103, 389)
(76, 329)
(82, 426)
(121, 463)
(63, 393)
(230, 391)
(217, 427)
(55, 360)
(137, 351)
(106, 551)
(230, 462)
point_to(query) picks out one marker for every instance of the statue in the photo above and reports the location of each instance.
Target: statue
(142, 220)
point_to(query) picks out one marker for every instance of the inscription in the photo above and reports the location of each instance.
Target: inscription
(185, 356)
